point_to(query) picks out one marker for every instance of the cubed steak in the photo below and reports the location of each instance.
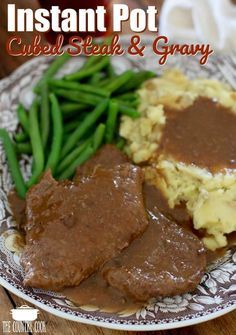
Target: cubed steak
(166, 260)
(107, 157)
(73, 228)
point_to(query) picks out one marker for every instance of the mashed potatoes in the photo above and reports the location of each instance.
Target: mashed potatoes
(210, 196)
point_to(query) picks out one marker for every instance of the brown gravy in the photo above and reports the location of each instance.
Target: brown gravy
(96, 292)
(155, 261)
(74, 228)
(187, 133)
(18, 206)
(156, 200)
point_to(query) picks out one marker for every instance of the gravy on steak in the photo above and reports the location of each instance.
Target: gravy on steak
(18, 206)
(74, 228)
(93, 239)
(156, 200)
(95, 291)
(107, 157)
(187, 132)
(165, 260)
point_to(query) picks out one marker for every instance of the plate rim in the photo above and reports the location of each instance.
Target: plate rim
(115, 326)
(109, 325)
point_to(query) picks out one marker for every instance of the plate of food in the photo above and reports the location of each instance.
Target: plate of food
(118, 188)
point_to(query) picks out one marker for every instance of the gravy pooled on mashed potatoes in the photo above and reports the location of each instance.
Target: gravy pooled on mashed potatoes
(203, 134)
(185, 140)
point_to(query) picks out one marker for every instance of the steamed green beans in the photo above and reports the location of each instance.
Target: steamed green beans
(136, 81)
(69, 108)
(91, 61)
(111, 121)
(120, 143)
(96, 78)
(23, 118)
(129, 103)
(80, 87)
(57, 135)
(36, 143)
(87, 72)
(120, 81)
(21, 137)
(53, 68)
(68, 160)
(81, 97)
(77, 114)
(130, 96)
(23, 148)
(98, 136)
(89, 120)
(129, 111)
(91, 100)
(45, 114)
(110, 71)
(13, 163)
(83, 157)
(71, 126)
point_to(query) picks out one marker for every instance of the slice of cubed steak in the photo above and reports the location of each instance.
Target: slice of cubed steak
(73, 229)
(166, 260)
(108, 157)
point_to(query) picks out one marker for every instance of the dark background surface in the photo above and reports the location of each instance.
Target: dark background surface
(225, 325)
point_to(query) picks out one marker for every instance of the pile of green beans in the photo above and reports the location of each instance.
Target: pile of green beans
(71, 118)
(13, 163)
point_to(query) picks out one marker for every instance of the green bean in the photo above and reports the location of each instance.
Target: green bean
(96, 78)
(54, 155)
(137, 81)
(70, 123)
(82, 158)
(45, 114)
(68, 108)
(36, 143)
(23, 118)
(23, 148)
(81, 97)
(103, 83)
(130, 96)
(119, 81)
(65, 138)
(111, 121)
(129, 111)
(70, 126)
(75, 116)
(98, 136)
(80, 87)
(120, 144)
(135, 103)
(87, 72)
(110, 70)
(21, 137)
(52, 69)
(89, 120)
(13, 163)
(72, 156)
(132, 104)
(91, 60)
